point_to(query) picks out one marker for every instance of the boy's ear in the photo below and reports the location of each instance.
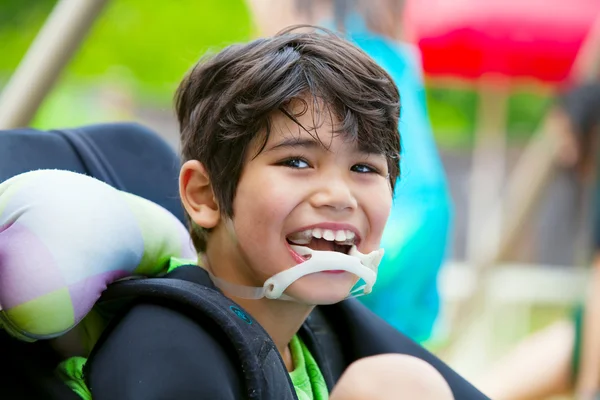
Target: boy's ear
(197, 195)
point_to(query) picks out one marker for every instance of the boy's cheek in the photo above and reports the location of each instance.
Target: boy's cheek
(379, 221)
(383, 211)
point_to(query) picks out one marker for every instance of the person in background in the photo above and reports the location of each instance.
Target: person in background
(418, 232)
(564, 357)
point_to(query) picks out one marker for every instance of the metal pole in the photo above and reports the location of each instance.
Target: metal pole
(50, 52)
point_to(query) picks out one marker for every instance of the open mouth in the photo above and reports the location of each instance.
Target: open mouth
(323, 240)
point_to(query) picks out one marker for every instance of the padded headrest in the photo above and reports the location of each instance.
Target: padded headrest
(127, 156)
(64, 237)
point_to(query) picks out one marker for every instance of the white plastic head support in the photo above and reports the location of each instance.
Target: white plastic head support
(362, 265)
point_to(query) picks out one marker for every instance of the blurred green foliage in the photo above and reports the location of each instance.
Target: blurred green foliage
(453, 112)
(525, 111)
(144, 49)
(151, 43)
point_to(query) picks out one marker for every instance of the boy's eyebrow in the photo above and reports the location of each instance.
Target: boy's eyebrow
(314, 143)
(295, 142)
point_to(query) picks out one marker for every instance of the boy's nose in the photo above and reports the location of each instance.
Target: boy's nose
(334, 194)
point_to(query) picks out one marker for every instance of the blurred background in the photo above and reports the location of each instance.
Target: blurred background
(521, 248)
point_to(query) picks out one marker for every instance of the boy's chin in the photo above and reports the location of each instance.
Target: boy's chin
(322, 288)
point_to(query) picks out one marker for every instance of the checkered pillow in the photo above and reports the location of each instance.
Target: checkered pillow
(64, 237)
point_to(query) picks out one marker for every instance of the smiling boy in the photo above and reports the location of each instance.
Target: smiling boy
(291, 151)
(313, 149)
(311, 188)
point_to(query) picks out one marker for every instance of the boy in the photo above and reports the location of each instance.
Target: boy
(291, 151)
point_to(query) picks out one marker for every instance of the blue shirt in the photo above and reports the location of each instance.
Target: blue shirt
(417, 235)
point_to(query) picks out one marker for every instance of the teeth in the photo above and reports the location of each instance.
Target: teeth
(340, 236)
(328, 235)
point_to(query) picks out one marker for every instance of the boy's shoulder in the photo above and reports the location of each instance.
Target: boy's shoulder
(156, 350)
(183, 324)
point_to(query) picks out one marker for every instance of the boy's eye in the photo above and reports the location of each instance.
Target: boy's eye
(363, 169)
(298, 163)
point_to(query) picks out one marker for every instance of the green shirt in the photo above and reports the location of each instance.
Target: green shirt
(306, 376)
(71, 372)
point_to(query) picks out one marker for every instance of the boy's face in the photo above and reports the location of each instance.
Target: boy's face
(297, 189)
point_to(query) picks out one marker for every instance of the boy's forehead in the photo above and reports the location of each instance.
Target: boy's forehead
(306, 132)
(309, 122)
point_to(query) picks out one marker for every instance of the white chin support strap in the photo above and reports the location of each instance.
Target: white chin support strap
(362, 265)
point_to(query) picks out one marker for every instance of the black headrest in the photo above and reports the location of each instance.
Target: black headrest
(126, 155)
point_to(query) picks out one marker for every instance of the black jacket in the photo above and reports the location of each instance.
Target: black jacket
(182, 339)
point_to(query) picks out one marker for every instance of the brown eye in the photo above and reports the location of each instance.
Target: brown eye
(363, 169)
(296, 163)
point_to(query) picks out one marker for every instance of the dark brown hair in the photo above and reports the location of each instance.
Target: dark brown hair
(226, 100)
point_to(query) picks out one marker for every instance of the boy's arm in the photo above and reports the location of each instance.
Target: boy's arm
(587, 384)
(155, 352)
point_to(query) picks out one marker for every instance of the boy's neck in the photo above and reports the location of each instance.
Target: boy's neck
(281, 319)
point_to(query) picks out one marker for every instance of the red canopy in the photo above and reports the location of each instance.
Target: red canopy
(516, 38)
